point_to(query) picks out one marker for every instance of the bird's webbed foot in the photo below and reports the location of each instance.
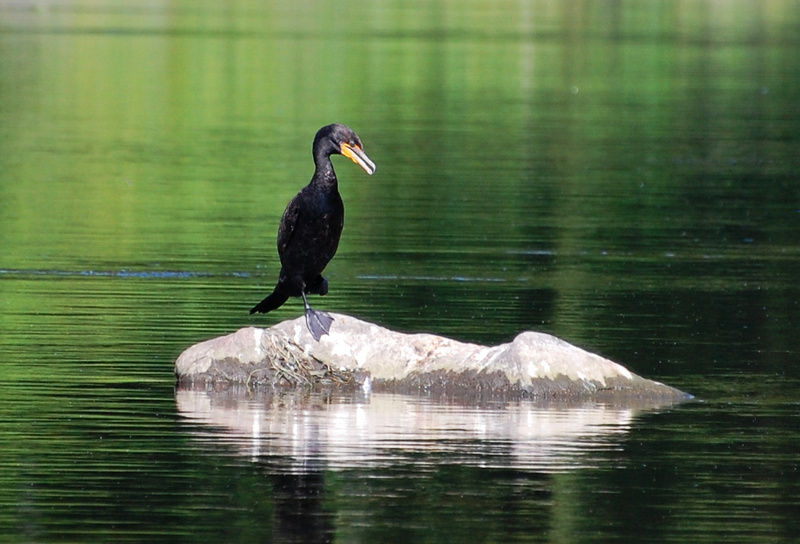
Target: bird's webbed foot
(318, 322)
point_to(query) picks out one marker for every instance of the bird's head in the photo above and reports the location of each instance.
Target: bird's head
(343, 140)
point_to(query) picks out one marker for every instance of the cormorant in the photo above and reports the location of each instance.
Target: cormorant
(312, 225)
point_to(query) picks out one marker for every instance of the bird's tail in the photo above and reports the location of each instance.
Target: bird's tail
(275, 300)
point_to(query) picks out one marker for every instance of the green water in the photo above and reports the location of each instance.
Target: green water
(621, 174)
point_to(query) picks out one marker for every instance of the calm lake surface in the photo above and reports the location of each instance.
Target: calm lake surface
(624, 175)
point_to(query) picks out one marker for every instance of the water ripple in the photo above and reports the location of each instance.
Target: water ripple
(396, 277)
(141, 274)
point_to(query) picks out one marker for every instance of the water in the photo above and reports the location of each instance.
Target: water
(622, 175)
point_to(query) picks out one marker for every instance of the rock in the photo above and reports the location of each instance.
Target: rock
(362, 354)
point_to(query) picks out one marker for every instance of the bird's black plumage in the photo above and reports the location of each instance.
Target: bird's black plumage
(311, 227)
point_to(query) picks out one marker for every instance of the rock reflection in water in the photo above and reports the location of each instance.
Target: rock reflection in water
(337, 432)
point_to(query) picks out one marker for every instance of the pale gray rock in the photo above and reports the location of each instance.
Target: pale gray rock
(368, 356)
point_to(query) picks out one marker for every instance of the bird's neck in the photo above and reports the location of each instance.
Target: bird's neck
(324, 176)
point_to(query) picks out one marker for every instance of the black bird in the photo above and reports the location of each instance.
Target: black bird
(311, 226)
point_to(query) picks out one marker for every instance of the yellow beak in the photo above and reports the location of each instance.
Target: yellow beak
(357, 155)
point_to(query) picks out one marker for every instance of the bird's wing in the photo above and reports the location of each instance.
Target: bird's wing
(288, 223)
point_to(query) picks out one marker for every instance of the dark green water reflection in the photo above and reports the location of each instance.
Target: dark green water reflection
(620, 174)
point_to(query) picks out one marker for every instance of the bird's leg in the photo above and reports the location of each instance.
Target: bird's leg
(318, 322)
